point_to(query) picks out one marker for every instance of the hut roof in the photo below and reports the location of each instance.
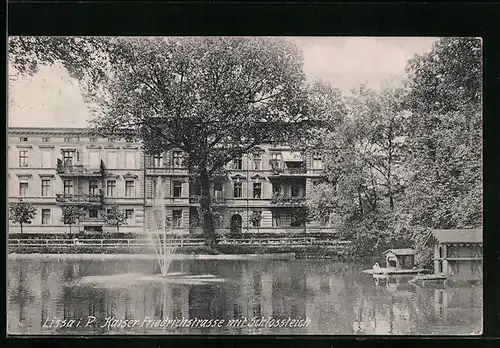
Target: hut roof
(455, 236)
(401, 252)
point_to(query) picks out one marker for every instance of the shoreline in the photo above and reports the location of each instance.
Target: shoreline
(283, 256)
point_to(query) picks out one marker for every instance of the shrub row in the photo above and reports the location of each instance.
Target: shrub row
(86, 235)
(197, 250)
(115, 235)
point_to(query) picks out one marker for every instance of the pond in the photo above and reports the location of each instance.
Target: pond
(300, 297)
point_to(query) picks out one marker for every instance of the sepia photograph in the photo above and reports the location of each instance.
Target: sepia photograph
(255, 185)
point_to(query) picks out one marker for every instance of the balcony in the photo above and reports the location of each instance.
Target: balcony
(287, 201)
(277, 171)
(80, 198)
(74, 169)
(219, 200)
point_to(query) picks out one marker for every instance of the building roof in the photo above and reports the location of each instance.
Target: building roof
(401, 252)
(455, 236)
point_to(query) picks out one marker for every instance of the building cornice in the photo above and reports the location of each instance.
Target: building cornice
(47, 131)
(46, 175)
(130, 176)
(24, 175)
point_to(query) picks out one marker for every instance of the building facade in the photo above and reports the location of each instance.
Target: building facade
(264, 191)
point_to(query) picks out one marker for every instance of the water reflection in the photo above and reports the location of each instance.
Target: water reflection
(337, 299)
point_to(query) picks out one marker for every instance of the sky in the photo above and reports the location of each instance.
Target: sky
(51, 98)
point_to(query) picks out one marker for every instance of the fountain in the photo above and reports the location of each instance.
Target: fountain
(163, 249)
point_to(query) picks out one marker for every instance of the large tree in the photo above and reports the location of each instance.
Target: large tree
(214, 98)
(444, 135)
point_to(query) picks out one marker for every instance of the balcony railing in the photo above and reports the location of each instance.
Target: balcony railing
(283, 200)
(215, 200)
(79, 198)
(288, 171)
(70, 168)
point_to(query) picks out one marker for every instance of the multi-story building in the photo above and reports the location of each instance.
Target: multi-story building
(53, 167)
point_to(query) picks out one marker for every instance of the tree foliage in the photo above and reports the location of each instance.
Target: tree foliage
(213, 98)
(444, 135)
(83, 57)
(116, 217)
(406, 161)
(71, 214)
(21, 213)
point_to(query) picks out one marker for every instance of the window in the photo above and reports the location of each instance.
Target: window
(129, 215)
(45, 187)
(111, 188)
(129, 188)
(154, 188)
(156, 161)
(93, 213)
(45, 216)
(275, 160)
(68, 187)
(276, 219)
(23, 189)
(177, 189)
(111, 140)
(130, 160)
(237, 190)
(257, 163)
(112, 160)
(92, 140)
(45, 140)
(257, 219)
(194, 218)
(238, 163)
(276, 189)
(68, 158)
(46, 159)
(67, 140)
(94, 161)
(23, 139)
(129, 140)
(257, 190)
(317, 162)
(93, 187)
(177, 218)
(295, 190)
(23, 158)
(177, 159)
(195, 188)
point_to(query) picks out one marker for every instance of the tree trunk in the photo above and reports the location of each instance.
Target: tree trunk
(21, 227)
(117, 228)
(205, 203)
(70, 231)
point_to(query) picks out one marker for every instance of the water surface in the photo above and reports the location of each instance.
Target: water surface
(304, 297)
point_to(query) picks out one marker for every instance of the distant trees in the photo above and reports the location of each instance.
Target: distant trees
(115, 217)
(21, 213)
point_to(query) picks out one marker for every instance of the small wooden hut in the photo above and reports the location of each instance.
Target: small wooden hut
(457, 252)
(400, 258)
